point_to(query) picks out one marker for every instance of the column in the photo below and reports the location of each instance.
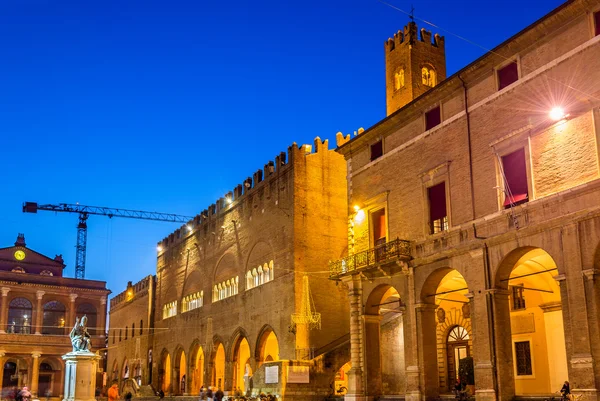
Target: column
(35, 373)
(4, 309)
(372, 342)
(72, 310)
(355, 375)
(39, 313)
(503, 346)
(411, 335)
(101, 321)
(427, 350)
(2, 360)
(582, 372)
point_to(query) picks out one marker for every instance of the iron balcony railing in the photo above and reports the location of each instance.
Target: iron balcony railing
(381, 254)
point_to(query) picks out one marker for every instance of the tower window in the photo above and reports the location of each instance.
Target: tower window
(377, 150)
(597, 23)
(428, 76)
(433, 118)
(507, 75)
(523, 358)
(515, 178)
(438, 216)
(399, 79)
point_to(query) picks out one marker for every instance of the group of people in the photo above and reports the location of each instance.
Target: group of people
(209, 395)
(19, 395)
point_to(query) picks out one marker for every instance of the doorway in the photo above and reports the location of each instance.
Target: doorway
(457, 346)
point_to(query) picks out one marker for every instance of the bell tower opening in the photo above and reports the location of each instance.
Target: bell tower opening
(414, 63)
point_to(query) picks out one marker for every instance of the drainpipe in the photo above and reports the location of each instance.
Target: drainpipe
(468, 115)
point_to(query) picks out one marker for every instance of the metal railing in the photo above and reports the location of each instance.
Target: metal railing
(390, 251)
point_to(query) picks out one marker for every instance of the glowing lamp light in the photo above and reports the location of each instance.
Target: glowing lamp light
(360, 216)
(189, 227)
(557, 113)
(356, 208)
(159, 248)
(229, 200)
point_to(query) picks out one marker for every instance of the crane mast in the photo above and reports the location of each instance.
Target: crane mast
(85, 211)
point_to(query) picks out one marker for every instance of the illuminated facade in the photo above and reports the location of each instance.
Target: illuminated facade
(38, 309)
(228, 282)
(474, 224)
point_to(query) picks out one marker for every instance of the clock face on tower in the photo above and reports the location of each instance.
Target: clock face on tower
(19, 255)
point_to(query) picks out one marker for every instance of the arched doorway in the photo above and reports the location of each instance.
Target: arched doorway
(218, 373)
(10, 377)
(180, 372)
(241, 356)
(114, 374)
(165, 373)
(384, 340)
(125, 371)
(536, 321)
(197, 369)
(48, 379)
(267, 348)
(341, 380)
(457, 350)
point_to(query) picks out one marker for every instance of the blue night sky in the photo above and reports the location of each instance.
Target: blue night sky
(166, 106)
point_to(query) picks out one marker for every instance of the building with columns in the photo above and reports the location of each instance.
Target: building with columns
(37, 311)
(474, 219)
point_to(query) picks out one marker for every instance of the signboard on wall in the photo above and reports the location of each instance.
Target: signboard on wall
(271, 374)
(298, 374)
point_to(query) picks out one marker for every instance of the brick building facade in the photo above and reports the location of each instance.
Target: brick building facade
(474, 222)
(37, 311)
(228, 282)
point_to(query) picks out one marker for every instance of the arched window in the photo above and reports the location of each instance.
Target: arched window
(91, 313)
(255, 277)
(261, 279)
(18, 269)
(193, 301)
(399, 79)
(141, 327)
(19, 316)
(45, 367)
(132, 330)
(458, 333)
(120, 335)
(225, 289)
(170, 310)
(126, 331)
(114, 336)
(46, 273)
(428, 76)
(249, 281)
(54, 318)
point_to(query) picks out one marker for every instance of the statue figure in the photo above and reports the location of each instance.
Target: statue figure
(80, 338)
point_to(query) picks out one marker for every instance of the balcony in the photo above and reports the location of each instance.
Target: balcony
(382, 260)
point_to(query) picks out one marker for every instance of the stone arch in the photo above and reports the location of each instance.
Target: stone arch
(267, 343)
(431, 284)
(240, 355)
(260, 254)
(164, 371)
(218, 361)
(193, 283)
(384, 335)
(197, 367)
(50, 376)
(226, 268)
(530, 299)
(125, 372)
(114, 373)
(180, 365)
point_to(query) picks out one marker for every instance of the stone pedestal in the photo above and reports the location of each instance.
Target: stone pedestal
(80, 376)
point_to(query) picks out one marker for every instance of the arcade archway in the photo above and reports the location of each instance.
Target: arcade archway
(165, 373)
(196, 369)
(180, 371)
(384, 340)
(536, 321)
(267, 349)
(218, 373)
(241, 366)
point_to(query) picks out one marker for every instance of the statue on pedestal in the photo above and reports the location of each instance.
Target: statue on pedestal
(80, 338)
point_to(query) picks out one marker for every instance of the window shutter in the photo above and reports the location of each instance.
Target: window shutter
(507, 75)
(378, 224)
(376, 150)
(437, 201)
(433, 118)
(515, 174)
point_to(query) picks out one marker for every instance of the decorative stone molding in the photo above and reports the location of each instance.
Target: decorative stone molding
(582, 362)
(5, 291)
(39, 294)
(103, 301)
(73, 297)
(560, 278)
(589, 273)
(551, 307)
(372, 318)
(36, 354)
(2, 353)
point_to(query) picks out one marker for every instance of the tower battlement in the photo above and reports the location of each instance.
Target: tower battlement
(415, 61)
(273, 171)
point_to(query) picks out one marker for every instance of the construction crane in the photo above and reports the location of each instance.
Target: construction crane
(85, 211)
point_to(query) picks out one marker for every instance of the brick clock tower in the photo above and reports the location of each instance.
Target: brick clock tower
(413, 65)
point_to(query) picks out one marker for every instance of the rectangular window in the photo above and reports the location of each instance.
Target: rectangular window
(523, 358)
(438, 216)
(433, 118)
(507, 75)
(515, 178)
(377, 150)
(597, 23)
(518, 300)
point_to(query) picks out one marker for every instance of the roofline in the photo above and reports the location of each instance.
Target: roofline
(461, 71)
